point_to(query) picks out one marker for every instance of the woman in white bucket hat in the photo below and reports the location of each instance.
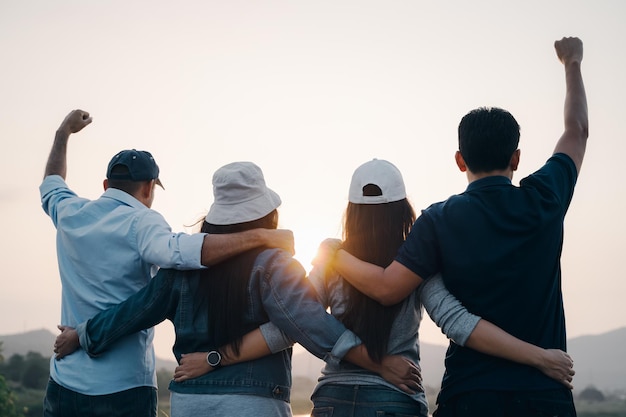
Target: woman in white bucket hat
(214, 309)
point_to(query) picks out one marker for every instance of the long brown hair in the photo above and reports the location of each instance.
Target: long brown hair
(374, 233)
(225, 286)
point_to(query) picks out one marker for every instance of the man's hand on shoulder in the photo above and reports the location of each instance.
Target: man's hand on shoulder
(280, 238)
(75, 121)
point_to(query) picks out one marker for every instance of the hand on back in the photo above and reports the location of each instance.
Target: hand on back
(67, 342)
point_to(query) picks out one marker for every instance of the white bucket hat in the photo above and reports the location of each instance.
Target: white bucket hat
(240, 195)
(381, 173)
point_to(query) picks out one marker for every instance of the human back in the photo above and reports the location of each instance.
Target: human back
(498, 249)
(90, 234)
(377, 219)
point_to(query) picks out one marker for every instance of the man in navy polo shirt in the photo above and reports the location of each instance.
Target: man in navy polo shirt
(498, 248)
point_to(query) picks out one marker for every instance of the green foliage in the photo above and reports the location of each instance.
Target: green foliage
(13, 368)
(8, 401)
(36, 371)
(31, 371)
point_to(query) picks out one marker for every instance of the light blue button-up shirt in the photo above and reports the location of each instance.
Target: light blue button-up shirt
(107, 250)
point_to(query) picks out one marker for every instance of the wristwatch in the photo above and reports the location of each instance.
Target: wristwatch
(214, 358)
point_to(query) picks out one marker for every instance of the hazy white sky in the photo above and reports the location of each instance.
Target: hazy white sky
(308, 90)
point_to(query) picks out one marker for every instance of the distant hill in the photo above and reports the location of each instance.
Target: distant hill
(41, 341)
(598, 361)
(597, 358)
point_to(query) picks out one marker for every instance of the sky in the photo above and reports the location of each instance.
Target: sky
(308, 90)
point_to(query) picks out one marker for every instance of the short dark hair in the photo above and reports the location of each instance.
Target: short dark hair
(128, 186)
(488, 136)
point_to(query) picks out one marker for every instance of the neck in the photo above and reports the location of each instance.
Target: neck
(473, 176)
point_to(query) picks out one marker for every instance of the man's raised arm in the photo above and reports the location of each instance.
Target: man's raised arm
(74, 122)
(574, 139)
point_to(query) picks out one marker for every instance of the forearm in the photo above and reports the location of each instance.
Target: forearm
(573, 142)
(489, 339)
(388, 285)
(253, 346)
(576, 114)
(219, 247)
(193, 365)
(57, 160)
(146, 308)
(366, 277)
(359, 356)
(447, 311)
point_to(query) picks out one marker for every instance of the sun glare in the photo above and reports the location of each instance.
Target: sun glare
(307, 243)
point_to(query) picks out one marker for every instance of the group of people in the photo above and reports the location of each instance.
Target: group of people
(485, 265)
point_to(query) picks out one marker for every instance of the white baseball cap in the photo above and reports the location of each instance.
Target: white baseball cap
(381, 173)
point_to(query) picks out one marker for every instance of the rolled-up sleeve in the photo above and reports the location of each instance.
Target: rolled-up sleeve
(291, 304)
(274, 337)
(53, 191)
(160, 246)
(447, 311)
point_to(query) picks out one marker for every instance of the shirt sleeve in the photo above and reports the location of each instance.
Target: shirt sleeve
(274, 337)
(146, 308)
(316, 277)
(419, 251)
(56, 197)
(556, 179)
(446, 311)
(158, 245)
(291, 304)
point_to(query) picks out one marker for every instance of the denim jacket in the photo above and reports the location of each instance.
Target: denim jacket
(278, 291)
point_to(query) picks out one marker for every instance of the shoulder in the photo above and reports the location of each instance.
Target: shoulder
(54, 184)
(558, 164)
(274, 260)
(556, 177)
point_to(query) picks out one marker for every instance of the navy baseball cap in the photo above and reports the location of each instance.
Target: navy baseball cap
(141, 166)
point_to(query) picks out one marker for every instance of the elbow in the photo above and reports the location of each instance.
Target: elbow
(388, 297)
(584, 131)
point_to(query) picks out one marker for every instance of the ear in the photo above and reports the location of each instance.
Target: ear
(147, 189)
(515, 160)
(460, 162)
(105, 184)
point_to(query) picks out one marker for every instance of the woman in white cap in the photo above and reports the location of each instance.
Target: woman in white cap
(377, 220)
(218, 306)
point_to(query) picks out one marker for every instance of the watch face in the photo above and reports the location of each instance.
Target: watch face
(214, 358)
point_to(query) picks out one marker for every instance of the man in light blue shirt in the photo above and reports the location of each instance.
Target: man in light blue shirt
(107, 250)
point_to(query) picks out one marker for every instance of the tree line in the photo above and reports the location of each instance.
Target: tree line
(23, 381)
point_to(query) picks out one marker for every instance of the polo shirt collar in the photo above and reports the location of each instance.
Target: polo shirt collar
(490, 181)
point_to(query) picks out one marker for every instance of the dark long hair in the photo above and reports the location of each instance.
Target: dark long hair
(374, 233)
(224, 286)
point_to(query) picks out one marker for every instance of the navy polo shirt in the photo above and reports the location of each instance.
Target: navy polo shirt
(498, 247)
